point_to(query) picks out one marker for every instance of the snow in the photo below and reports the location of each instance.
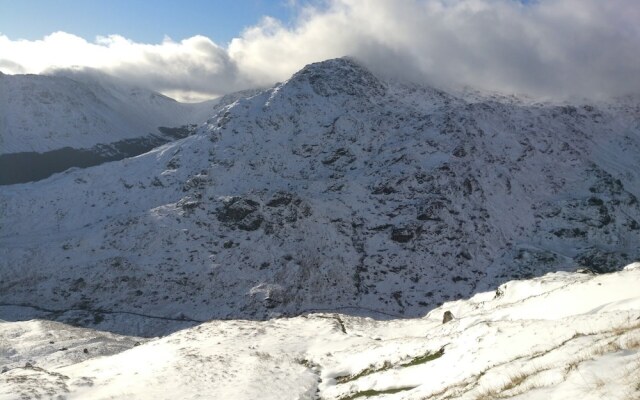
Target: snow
(494, 348)
(81, 109)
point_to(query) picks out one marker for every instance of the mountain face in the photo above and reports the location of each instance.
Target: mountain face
(82, 118)
(334, 190)
(560, 336)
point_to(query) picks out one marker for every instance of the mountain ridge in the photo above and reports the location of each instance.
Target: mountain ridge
(82, 118)
(333, 189)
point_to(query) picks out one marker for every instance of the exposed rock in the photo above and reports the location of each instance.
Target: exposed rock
(280, 199)
(402, 235)
(602, 261)
(188, 204)
(585, 271)
(344, 155)
(340, 76)
(251, 222)
(236, 209)
(199, 181)
(384, 189)
(448, 316)
(431, 211)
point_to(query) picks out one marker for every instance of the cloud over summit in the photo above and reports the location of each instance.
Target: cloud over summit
(544, 48)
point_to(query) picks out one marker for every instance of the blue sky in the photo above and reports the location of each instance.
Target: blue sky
(146, 21)
(139, 20)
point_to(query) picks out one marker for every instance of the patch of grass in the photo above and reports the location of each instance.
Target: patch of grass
(514, 381)
(598, 382)
(424, 358)
(306, 363)
(610, 347)
(515, 385)
(632, 343)
(370, 393)
(341, 324)
(618, 338)
(303, 361)
(624, 329)
(339, 321)
(572, 366)
(489, 395)
(626, 339)
(632, 377)
(367, 371)
(262, 355)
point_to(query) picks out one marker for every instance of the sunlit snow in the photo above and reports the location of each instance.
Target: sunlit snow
(560, 336)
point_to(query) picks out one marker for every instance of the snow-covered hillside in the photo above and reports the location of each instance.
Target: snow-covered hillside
(334, 190)
(560, 336)
(83, 108)
(86, 113)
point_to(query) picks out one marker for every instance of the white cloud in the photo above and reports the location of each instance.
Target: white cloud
(195, 65)
(548, 48)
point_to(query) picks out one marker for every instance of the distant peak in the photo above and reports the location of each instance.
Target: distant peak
(344, 63)
(340, 76)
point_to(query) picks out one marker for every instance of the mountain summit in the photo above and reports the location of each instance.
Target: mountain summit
(339, 76)
(334, 190)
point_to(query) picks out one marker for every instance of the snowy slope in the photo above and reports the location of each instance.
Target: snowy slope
(560, 336)
(80, 109)
(51, 123)
(332, 191)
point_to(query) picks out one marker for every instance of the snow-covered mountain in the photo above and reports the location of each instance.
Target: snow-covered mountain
(560, 336)
(49, 123)
(334, 190)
